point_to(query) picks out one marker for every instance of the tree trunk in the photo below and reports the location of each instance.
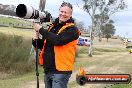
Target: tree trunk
(92, 29)
(42, 5)
(90, 47)
(100, 35)
(107, 39)
(98, 28)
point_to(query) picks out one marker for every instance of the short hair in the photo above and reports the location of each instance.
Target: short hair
(67, 4)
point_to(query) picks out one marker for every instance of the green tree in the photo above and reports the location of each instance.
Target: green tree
(98, 28)
(109, 30)
(108, 8)
(80, 26)
(103, 8)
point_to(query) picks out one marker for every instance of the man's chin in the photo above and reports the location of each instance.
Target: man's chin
(62, 20)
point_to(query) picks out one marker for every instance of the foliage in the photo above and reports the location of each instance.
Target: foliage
(14, 55)
(80, 26)
(108, 30)
(108, 8)
(111, 6)
(104, 9)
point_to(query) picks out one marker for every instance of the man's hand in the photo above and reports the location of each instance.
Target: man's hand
(36, 27)
(35, 35)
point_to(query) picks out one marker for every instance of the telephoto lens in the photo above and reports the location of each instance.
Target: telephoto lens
(27, 12)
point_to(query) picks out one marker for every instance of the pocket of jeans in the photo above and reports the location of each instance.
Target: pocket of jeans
(61, 77)
(67, 76)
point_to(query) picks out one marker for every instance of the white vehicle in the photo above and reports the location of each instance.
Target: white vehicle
(83, 41)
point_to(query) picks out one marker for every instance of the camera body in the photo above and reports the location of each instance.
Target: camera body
(27, 12)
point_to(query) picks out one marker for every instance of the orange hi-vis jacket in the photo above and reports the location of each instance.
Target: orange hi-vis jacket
(64, 55)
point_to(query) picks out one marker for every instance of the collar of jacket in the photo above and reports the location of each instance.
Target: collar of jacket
(56, 22)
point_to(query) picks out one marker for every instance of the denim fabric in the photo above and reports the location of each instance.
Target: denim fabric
(56, 80)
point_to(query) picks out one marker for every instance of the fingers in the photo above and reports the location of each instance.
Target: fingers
(36, 26)
(35, 35)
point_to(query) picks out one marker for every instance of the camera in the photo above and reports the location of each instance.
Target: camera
(28, 12)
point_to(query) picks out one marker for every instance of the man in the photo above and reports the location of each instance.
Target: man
(58, 45)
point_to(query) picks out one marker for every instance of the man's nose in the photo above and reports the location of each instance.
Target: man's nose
(63, 13)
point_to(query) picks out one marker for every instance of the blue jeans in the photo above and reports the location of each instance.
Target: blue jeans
(56, 80)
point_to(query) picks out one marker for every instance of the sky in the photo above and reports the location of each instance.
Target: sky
(122, 20)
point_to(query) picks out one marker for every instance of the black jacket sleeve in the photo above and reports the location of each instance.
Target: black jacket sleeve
(67, 35)
(40, 43)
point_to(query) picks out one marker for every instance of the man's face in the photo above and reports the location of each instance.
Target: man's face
(64, 13)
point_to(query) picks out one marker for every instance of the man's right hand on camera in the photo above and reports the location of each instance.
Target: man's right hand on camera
(36, 27)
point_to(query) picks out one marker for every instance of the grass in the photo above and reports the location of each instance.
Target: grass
(20, 80)
(109, 49)
(27, 34)
(13, 39)
(14, 55)
(122, 86)
(117, 62)
(113, 59)
(14, 22)
(105, 60)
(9, 20)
